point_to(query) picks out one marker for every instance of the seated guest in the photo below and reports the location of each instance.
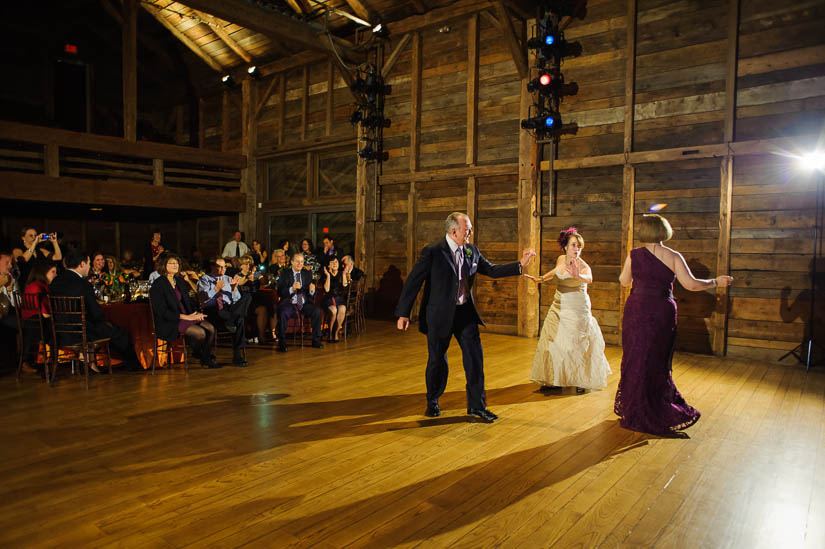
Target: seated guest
(40, 277)
(296, 290)
(258, 253)
(355, 274)
(98, 267)
(221, 300)
(8, 285)
(151, 254)
(278, 263)
(73, 283)
(235, 247)
(283, 244)
(335, 299)
(311, 262)
(114, 266)
(175, 313)
(190, 277)
(249, 282)
(328, 251)
(128, 262)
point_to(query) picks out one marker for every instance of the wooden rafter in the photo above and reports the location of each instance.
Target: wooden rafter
(218, 28)
(157, 13)
(297, 6)
(272, 23)
(396, 53)
(516, 50)
(362, 10)
(265, 96)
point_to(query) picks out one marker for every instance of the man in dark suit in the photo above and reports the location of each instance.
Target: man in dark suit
(72, 283)
(448, 268)
(297, 291)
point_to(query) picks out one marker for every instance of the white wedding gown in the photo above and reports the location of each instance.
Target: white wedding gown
(570, 352)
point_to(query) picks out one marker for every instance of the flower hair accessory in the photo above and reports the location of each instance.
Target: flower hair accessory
(564, 236)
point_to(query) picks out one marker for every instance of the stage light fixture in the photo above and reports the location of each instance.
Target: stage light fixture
(544, 122)
(376, 121)
(228, 81)
(356, 117)
(254, 72)
(368, 153)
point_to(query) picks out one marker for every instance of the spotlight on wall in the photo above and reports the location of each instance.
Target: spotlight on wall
(228, 81)
(254, 72)
(812, 161)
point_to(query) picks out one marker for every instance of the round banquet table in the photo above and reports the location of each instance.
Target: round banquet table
(136, 319)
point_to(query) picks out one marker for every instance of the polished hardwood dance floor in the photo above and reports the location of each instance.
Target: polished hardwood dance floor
(329, 449)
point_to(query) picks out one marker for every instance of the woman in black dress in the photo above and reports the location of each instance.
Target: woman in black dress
(335, 298)
(175, 313)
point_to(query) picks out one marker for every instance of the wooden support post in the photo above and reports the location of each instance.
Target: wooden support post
(415, 106)
(157, 172)
(472, 203)
(248, 219)
(412, 221)
(130, 70)
(472, 90)
(51, 159)
(312, 188)
(629, 172)
(330, 98)
(225, 106)
(304, 102)
(281, 107)
(720, 314)
(529, 222)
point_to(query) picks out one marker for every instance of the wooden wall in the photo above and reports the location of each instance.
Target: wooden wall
(674, 97)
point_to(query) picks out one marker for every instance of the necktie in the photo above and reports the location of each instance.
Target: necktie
(237, 249)
(459, 263)
(299, 297)
(220, 298)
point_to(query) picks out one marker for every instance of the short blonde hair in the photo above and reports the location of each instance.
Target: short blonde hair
(654, 228)
(245, 260)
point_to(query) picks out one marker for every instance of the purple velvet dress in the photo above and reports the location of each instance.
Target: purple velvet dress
(647, 399)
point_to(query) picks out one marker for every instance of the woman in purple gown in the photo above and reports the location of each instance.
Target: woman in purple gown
(647, 400)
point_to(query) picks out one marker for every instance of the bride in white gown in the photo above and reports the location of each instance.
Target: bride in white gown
(570, 352)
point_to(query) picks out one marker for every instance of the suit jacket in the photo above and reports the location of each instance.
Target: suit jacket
(165, 307)
(69, 284)
(287, 279)
(436, 270)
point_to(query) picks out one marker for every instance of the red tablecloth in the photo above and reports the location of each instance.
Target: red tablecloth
(136, 319)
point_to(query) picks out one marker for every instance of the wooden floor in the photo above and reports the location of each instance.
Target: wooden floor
(329, 449)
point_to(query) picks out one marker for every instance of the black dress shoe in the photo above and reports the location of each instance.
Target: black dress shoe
(486, 415)
(240, 362)
(317, 345)
(433, 411)
(281, 348)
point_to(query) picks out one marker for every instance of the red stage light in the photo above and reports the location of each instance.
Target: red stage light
(70, 48)
(544, 79)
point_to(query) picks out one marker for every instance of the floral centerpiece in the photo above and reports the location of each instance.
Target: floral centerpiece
(113, 286)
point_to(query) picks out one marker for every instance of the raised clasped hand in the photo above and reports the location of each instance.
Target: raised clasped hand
(573, 268)
(537, 280)
(527, 256)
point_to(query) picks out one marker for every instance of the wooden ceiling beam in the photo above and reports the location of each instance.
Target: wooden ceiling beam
(390, 63)
(297, 6)
(273, 23)
(218, 28)
(188, 42)
(362, 10)
(439, 16)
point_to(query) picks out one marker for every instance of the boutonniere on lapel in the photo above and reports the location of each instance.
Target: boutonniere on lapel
(468, 252)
